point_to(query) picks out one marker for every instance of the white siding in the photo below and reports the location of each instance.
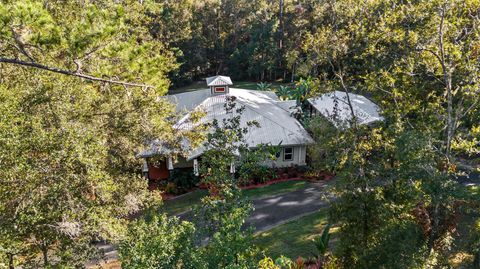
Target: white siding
(299, 156)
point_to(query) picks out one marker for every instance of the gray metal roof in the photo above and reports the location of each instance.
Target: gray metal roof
(334, 106)
(288, 105)
(219, 81)
(276, 124)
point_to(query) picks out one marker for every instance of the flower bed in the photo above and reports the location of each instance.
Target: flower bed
(284, 174)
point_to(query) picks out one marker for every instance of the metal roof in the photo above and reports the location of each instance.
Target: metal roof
(219, 81)
(276, 124)
(334, 106)
(288, 105)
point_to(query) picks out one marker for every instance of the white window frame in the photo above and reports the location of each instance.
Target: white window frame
(290, 154)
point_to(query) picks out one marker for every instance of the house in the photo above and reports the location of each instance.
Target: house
(277, 126)
(334, 106)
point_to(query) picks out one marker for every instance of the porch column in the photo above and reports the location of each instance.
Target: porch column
(195, 167)
(170, 163)
(232, 167)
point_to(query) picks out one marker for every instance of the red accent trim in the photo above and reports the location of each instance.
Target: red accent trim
(219, 89)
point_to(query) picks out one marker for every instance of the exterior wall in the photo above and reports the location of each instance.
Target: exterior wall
(214, 90)
(299, 158)
(158, 172)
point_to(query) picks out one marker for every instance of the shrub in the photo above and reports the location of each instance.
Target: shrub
(292, 172)
(302, 169)
(255, 173)
(160, 242)
(184, 180)
(170, 188)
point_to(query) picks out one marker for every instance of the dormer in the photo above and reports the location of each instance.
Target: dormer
(219, 84)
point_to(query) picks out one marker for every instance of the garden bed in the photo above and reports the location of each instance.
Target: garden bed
(321, 176)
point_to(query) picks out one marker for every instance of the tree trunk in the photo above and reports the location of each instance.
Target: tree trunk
(10, 261)
(45, 256)
(280, 28)
(293, 74)
(280, 36)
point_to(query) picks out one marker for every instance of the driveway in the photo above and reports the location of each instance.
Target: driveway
(268, 211)
(473, 179)
(278, 209)
(271, 211)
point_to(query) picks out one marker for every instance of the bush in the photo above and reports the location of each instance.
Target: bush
(255, 174)
(302, 169)
(292, 172)
(184, 180)
(170, 188)
(159, 243)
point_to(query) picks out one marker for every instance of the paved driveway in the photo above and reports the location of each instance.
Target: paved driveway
(274, 210)
(473, 179)
(278, 209)
(268, 212)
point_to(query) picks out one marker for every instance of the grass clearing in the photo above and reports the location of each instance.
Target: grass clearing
(293, 238)
(249, 85)
(277, 188)
(188, 201)
(184, 202)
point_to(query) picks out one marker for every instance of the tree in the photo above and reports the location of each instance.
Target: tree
(222, 214)
(69, 176)
(394, 52)
(159, 242)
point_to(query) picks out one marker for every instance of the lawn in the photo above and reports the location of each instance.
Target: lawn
(249, 85)
(277, 188)
(184, 202)
(293, 238)
(187, 201)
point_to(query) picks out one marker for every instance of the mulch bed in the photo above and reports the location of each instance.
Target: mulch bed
(324, 176)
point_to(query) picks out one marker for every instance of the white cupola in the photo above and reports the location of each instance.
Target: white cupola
(219, 84)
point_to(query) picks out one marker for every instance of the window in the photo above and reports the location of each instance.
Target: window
(219, 89)
(288, 154)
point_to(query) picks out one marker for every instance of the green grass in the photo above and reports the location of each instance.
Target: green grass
(249, 85)
(282, 187)
(293, 238)
(187, 201)
(184, 203)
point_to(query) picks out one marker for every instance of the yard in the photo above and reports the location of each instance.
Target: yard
(188, 201)
(293, 238)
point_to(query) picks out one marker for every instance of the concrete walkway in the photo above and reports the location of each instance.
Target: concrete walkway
(268, 211)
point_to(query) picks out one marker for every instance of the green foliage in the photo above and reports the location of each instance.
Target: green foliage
(69, 175)
(321, 242)
(159, 242)
(230, 245)
(184, 180)
(263, 86)
(253, 164)
(396, 180)
(284, 93)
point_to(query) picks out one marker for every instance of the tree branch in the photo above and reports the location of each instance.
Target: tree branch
(71, 73)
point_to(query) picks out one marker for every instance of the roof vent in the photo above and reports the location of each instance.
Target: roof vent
(219, 84)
